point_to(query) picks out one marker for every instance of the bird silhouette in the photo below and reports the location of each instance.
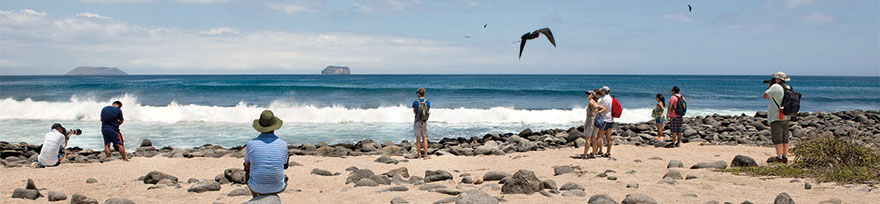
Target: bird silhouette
(533, 35)
(467, 36)
(690, 9)
(484, 25)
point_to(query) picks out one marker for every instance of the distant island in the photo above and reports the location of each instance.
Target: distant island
(83, 70)
(336, 70)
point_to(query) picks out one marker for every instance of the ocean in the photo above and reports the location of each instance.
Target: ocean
(192, 110)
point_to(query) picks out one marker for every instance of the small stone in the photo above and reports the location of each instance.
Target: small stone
(601, 199)
(783, 198)
(546, 194)
(674, 164)
(399, 200)
(570, 186)
(707, 165)
(293, 163)
(632, 185)
(239, 192)
(832, 201)
(795, 181)
(118, 201)
(366, 182)
(22, 193)
(673, 174)
(559, 170)
(81, 199)
(265, 199)
(694, 195)
(638, 198)
(495, 175)
(667, 180)
(395, 188)
(743, 161)
(689, 177)
(204, 187)
(56, 196)
(808, 186)
(467, 180)
(30, 185)
(548, 184)
(351, 168)
(91, 180)
(445, 191)
(386, 160)
(192, 180)
(613, 178)
(574, 193)
(321, 172)
(523, 182)
(447, 200)
(431, 186)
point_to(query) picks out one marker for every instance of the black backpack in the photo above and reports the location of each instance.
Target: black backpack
(680, 107)
(791, 101)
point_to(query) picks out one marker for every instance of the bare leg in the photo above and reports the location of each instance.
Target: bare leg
(785, 149)
(425, 146)
(122, 152)
(780, 149)
(587, 144)
(418, 147)
(107, 150)
(597, 146)
(659, 132)
(608, 138)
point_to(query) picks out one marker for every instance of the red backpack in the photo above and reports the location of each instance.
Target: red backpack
(616, 109)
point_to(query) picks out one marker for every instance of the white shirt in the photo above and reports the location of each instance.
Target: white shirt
(775, 92)
(53, 141)
(606, 102)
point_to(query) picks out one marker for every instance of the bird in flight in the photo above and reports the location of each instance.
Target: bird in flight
(533, 35)
(690, 9)
(484, 25)
(467, 36)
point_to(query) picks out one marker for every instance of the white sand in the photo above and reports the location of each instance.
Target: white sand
(118, 179)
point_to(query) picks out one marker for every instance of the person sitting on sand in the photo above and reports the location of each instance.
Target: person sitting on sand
(589, 131)
(266, 157)
(111, 119)
(657, 114)
(605, 121)
(421, 108)
(675, 120)
(52, 153)
(779, 132)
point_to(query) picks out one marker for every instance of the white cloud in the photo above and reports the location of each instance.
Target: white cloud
(115, 1)
(293, 7)
(92, 15)
(795, 3)
(202, 1)
(362, 8)
(819, 17)
(21, 17)
(220, 31)
(678, 17)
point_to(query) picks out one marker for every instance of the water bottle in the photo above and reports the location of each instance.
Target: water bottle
(780, 112)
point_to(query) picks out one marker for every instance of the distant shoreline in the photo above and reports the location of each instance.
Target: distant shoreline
(331, 75)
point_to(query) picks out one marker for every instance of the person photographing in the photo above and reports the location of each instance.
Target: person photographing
(783, 104)
(52, 153)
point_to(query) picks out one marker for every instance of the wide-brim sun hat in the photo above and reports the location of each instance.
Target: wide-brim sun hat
(781, 75)
(267, 122)
(605, 88)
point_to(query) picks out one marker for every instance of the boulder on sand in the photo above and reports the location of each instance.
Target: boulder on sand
(475, 197)
(155, 176)
(710, 165)
(522, 182)
(743, 161)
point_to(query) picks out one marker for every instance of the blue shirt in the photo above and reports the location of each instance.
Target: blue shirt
(416, 104)
(267, 155)
(110, 117)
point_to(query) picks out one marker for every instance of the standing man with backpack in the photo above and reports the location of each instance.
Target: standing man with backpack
(605, 120)
(421, 108)
(783, 103)
(677, 109)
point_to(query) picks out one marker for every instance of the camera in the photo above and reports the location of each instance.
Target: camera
(768, 81)
(73, 132)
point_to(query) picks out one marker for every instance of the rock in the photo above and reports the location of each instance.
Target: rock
(580, 142)
(293, 163)
(445, 191)
(669, 181)
(712, 202)
(713, 165)
(220, 178)
(402, 172)
(525, 133)
(675, 164)
(386, 160)
(673, 174)
(522, 182)
(431, 186)
(91, 180)
(118, 201)
(437, 175)
(235, 175)
(638, 198)
(81, 199)
(447, 200)
(399, 200)
(265, 199)
(655, 158)
(31, 194)
(381, 180)
(546, 194)
(366, 182)
(166, 182)
(56, 196)
(359, 174)
(192, 180)
(559, 170)
(488, 150)
(783, 198)
(467, 180)
(336, 70)
(155, 176)
(491, 186)
(601, 199)
(694, 195)
(795, 181)
(495, 175)
(808, 186)
(321, 172)
(30, 185)
(743, 161)
(689, 177)
(239, 192)
(548, 184)
(570, 186)
(146, 143)
(632, 185)
(204, 187)
(612, 178)
(155, 186)
(395, 188)
(574, 193)
(832, 201)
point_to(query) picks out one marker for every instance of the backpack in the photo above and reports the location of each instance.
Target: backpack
(423, 113)
(616, 109)
(680, 106)
(791, 101)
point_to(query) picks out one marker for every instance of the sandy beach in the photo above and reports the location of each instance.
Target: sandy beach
(119, 179)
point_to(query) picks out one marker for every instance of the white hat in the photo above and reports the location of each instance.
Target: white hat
(605, 88)
(781, 75)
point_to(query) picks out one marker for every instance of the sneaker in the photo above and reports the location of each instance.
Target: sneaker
(773, 160)
(678, 144)
(785, 160)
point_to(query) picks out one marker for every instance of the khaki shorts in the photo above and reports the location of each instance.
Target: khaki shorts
(779, 132)
(420, 129)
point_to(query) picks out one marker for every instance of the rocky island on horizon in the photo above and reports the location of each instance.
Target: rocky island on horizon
(336, 70)
(91, 71)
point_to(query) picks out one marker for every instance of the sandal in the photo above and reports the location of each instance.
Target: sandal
(607, 155)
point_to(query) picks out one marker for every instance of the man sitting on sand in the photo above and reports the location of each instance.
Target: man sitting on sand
(52, 153)
(421, 108)
(111, 119)
(266, 157)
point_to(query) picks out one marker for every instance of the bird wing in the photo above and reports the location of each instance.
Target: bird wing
(546, 32)
(522, 44)
(690, 8)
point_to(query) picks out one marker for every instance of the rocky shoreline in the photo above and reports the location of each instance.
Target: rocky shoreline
(705, 130)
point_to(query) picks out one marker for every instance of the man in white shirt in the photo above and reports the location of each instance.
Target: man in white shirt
(607, 121)
(52, 152)
(779, 132)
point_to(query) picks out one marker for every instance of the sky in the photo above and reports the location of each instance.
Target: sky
(799, 37)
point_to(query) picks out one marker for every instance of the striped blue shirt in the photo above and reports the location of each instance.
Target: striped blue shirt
(267, 155)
